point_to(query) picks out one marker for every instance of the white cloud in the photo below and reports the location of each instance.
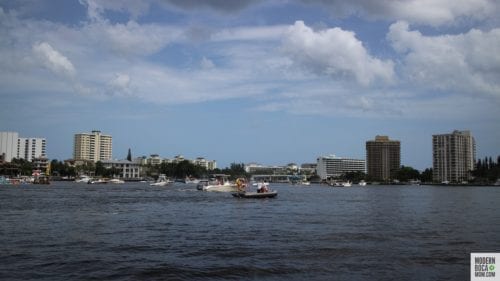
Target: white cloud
(463, 63)
(53, 60)
(132, 38)
(335, 52)
(120, 84)
(426, 12)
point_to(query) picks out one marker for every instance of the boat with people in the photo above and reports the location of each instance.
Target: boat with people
(263, 190)
(247, 194)
(217, 182)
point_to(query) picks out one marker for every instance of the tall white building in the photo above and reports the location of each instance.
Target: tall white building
(23, 148)
(31, 148)
(8, 145)
(333, 166)
(93, 147)
(453, 156)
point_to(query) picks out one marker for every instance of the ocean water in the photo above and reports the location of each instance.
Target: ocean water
(70, 231)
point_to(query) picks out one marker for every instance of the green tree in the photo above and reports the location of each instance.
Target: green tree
(426, 175)
(405, 174)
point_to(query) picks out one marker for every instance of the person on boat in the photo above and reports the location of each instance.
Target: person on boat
(262, 187)
(240, 184)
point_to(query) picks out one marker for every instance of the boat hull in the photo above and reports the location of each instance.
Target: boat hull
(270, 194)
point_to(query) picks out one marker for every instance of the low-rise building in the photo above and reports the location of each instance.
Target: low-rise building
(128, 169)
(332, 166)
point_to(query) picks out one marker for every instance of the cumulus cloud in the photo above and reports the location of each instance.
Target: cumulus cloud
(427, 12)
(53, 60)
(468, 62)
(335, 52)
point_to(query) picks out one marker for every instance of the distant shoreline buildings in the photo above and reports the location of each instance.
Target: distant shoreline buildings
(453, 157)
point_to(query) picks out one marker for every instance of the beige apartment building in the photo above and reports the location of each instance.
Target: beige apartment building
(453, 156)
(93, 147)
(383, 158)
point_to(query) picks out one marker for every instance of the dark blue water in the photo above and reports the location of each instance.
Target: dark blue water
(69, 231)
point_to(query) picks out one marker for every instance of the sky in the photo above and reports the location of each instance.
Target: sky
(270, 82)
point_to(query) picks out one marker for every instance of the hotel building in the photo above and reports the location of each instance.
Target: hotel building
(453, 156)
(383, 158)
(93, 147)
(332, 166)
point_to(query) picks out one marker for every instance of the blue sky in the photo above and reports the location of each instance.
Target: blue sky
(271, 82)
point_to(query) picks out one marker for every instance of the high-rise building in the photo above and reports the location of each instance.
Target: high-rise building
(31, 148)
(383, 158)
(23, 148)
(453, 156)
(8, 145)
(333, 166)
(93, 147)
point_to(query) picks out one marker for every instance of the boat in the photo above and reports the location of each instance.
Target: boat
(161, 181)
(83, 178)
(218, 182)
(116, 181)
(246, 194)
(362, 183)
(341, 184)
(97, 181)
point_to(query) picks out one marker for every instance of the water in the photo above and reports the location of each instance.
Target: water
(69, 231)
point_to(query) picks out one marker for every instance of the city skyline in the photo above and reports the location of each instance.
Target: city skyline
(273, 82)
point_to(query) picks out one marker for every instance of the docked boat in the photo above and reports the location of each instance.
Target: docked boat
(219, 183)
(257, 195)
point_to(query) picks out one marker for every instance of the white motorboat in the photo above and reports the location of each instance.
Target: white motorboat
(83, 178)
(218, 183)
(161, 181)
(362, 183)
(116, 181)
(341, 184)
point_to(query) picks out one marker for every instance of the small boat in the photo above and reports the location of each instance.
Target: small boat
(246, 194)
(362, 183)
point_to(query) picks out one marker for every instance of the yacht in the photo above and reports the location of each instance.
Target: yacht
(218, 183)
(161, 181)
